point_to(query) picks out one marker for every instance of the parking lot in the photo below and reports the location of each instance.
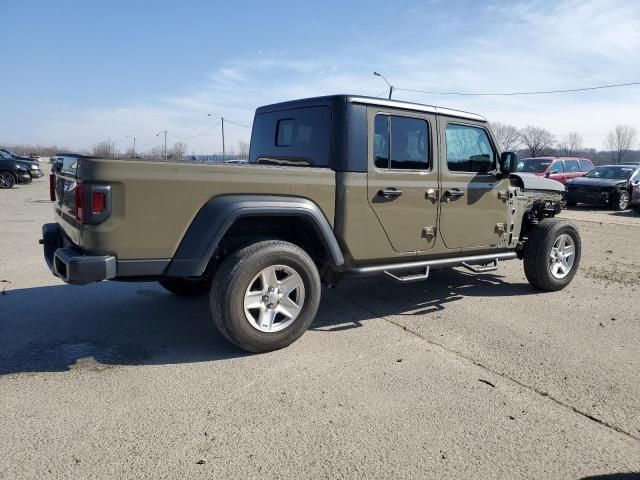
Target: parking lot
(462, 376)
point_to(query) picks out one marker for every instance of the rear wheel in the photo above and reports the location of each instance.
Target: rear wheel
(7, 180)
(620, 200)
(186, 287)
(552, 254)
(265, 296)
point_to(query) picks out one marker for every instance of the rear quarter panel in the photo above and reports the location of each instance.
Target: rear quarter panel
(153, 204)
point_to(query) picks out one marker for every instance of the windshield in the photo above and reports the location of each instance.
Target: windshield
(614, 172)
(9, 152)
(4, 156)
(533, 165)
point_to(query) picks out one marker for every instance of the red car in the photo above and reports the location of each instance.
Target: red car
(555, 168)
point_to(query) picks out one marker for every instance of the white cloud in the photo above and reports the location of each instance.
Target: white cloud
(528, 46)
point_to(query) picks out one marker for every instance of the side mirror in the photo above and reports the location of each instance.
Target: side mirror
(508, 162)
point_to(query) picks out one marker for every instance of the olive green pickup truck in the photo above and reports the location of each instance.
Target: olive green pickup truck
(335, 186)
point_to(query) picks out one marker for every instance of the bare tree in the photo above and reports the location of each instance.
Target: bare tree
(243, 149)
(178, 151)
(537, 140)
(620, 140)
(508, 136)
(572, 144)
(155, 153)
(105, 149)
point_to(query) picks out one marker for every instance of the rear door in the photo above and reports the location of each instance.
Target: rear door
(572, 169)
(403, 179)
(473, 211)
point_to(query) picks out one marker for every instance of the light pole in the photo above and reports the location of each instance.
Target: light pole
(133, 155)
(222, 123)
(165, 143)
(390, 86)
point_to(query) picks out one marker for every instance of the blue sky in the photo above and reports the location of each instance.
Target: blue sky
(78, 72)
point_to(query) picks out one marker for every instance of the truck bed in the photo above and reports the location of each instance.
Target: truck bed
(154, 203)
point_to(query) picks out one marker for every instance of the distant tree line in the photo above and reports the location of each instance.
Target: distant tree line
(532, 141)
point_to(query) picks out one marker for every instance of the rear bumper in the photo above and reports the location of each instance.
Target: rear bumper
(69, 263)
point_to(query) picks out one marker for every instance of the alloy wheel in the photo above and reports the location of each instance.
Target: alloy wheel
(274, 298)
(562, 256)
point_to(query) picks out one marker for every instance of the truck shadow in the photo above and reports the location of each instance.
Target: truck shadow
(62, 327)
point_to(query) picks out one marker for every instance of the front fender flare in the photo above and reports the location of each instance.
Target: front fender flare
(218, 214)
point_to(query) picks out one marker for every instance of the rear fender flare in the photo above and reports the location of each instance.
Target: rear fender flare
(217, 215)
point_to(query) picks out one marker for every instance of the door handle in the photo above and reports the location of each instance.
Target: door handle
(452, 195)
(389, 193)
(432, 194)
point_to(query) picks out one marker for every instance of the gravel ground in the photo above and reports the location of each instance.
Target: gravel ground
(462, 376)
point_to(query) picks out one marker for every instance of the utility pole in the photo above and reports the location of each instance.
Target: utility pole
(133, 155)
(221, 123)
(223, 151)
(165, 143)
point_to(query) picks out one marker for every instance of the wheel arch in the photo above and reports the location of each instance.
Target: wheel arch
(220, 214)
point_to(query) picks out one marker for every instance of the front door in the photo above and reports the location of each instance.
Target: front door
(473, 211)
(403, 179)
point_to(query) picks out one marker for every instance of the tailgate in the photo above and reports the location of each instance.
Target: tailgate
(65, 170)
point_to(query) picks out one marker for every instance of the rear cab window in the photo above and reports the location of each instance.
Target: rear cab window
(294, 137)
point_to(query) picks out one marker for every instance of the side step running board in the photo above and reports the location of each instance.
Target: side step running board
(411, 277)
(490, 267)
(476, 263)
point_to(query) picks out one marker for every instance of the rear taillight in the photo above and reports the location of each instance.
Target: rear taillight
(92, 203)
(52, 187)
(98, 202)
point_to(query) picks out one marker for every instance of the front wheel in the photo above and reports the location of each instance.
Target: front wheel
(7, 180)
(265, 296)
(620, 200)
(552, 254)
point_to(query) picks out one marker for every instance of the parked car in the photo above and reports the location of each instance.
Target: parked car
(610, 185)
(17, 157)
(33, 167)
(336, 186)
(13, 172)
(635, 192)
(560, 169)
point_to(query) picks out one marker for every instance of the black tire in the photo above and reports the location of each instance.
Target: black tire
(234, 277)
(7, 180)
(538, 249)
(571, 203)
(620, 200)
(186, 287)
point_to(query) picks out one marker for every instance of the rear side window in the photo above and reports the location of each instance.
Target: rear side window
(571, 166)
(585, 166)
(401, 143)
(299, 137)
(557, 167)
(469, 149)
